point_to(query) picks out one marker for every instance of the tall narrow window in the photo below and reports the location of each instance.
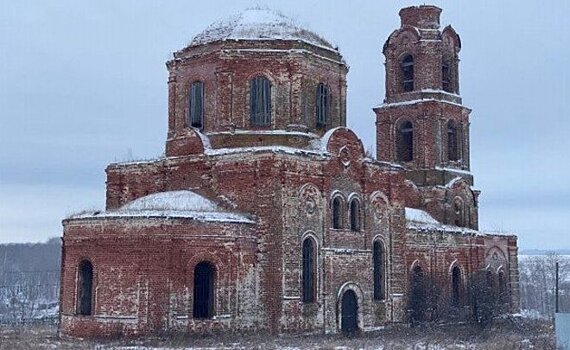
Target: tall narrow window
(197, 104)
(452, 141)
(379, 273)
(446, 77)
(308, 271)
(85, 288)
(405, 142)
(323, 105)
(203, 290)
(418, 295)
(337, 213)
(260, 101)
(456, 286)
(355, 215)
(407, 67)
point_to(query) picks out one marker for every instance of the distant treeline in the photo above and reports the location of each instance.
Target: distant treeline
(24, 257)
(544, 252)
(29, 282)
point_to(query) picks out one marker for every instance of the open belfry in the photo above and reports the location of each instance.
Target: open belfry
(267, 214)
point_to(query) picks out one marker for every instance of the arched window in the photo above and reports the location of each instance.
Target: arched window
(456, 286)
(379, 272)
(355, 214)
(309, 272)
(407, 67)
(196, 104)
(260, 101)
(322, 105)
(405, 142)
(459, 211)
(452, 141)
(446, 77)
(203, 290)
(85, 288)
(337, 212)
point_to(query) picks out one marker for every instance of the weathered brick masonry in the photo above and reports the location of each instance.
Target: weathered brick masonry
(276, 225)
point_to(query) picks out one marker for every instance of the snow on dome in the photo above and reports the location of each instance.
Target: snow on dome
(172, 200)
(171, 204)
(258, 24)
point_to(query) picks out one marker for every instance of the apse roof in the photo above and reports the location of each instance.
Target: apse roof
(258, 24)
(171, 204)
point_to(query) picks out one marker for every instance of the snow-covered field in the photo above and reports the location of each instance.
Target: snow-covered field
(514, 333)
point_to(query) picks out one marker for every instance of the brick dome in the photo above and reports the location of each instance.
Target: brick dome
(258, 24)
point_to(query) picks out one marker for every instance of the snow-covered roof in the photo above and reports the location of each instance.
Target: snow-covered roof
(420, 216)
(172, 204)
(420, 220)
(172, 200)
(258, 24)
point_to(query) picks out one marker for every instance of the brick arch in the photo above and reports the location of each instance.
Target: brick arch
(311, 235)
(353, 286)
(407, 32)
(217, 263)
(450, 33)
(415, 264)
(455, 263)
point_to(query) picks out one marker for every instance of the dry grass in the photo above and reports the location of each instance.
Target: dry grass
(508, 335)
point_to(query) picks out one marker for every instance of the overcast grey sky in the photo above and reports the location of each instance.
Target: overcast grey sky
(83, 83)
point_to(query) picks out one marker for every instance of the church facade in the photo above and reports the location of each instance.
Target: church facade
(266, 213)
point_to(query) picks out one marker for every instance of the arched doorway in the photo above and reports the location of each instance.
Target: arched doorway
(203, 290)
(349, 316)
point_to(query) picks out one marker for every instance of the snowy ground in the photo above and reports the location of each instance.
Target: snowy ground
(509, 334)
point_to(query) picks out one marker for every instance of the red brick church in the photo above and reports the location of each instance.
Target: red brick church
(266, 213)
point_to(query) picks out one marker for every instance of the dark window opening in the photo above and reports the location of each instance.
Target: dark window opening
(349, 315)
(452, 141)
(260, 101)
(85, 288)
(446, 77)
(337, 213)
(322, 105)
(378, 262)
(407, 67)
(308, 271)
(418, 295)
(197, 104)
(355, 215)
(456, 286)
(203, 290)
(405, 142)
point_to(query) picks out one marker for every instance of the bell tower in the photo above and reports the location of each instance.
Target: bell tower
(422, 124)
